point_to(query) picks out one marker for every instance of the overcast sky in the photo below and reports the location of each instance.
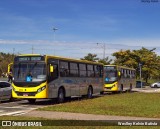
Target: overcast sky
(26, 26)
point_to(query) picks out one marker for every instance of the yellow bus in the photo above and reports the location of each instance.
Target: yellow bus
(118, 78)
(38, 77)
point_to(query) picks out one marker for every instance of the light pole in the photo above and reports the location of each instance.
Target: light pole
(104, 49)
(140, 73)
(13, 50)
(32, 49)
(54, 30)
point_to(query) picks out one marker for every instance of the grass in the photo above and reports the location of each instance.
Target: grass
(127, 104)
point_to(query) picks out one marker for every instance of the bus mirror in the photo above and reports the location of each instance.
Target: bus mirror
(51, 68)
(119, 74)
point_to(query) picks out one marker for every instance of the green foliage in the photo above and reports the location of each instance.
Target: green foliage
(105, 61)
(5, 59)
(90, 57)
(94, 58)
(147, 58)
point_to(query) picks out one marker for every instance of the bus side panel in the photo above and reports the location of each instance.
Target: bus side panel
(98, 85)
(67, 83)
(74, 86)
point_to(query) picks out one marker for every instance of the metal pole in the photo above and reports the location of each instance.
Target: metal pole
(54, 30)
(13, 50)
(140, 66)
(32, 49)
(104, 50)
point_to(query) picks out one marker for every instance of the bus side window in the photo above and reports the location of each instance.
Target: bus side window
(90, 70)
(74, 69)
(121, 73)
(82, 70)
(98, 71)
(64, 69)
(64, 72)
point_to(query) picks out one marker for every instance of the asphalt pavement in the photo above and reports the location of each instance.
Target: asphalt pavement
(147, 89)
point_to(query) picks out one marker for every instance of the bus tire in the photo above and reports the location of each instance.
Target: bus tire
(130, 89)
(90, 93)
(102, 92)
(121, 89)
(31, 101)
(61, 95)
(11, 99)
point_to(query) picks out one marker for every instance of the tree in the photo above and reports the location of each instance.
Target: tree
(5, 59)
(125, 58)
(147, 58)
(156, 73)
(90, 57)
(105, 61)
(94, 58)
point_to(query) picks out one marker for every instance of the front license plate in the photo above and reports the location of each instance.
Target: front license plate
(25, 94)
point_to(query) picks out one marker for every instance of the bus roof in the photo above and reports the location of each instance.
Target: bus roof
(30, 55)
(71, 59)
(62, 58)
(125, 67)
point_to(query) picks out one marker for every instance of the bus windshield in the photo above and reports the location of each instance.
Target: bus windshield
(29, 72)
(110, 76)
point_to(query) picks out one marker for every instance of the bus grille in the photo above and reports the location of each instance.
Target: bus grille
(108, 88)
(26, 93)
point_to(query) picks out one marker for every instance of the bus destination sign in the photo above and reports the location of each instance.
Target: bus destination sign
(29, 58)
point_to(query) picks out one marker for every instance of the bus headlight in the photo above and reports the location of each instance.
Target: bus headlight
(114, 85)
(13, 89)
(41, 89)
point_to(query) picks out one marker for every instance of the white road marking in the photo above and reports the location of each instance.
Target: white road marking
(16, 113)
(1, 110)
(21, 106)
(12, 113)
(22, 109)
(17, 108)
(12, 107)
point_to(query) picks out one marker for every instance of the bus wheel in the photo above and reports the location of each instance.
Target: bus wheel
(31, 101)
(102, 92)
(121, 89)
(61, 96)
(89, 93)
(11, 99)
(130, 89)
